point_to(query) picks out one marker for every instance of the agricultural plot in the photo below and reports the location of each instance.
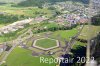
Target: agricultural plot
(26, 11)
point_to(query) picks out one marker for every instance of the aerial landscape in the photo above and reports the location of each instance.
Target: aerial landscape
(40, 32)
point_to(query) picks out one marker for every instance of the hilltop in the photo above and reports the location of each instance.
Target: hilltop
(38, 2)
(11, 1)
(41, 2)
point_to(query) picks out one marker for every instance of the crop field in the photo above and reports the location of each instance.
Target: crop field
(26, 11)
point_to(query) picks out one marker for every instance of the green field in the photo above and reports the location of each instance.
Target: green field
(46, 43)
(65, 34)
(13, 14)
(49, 25)
(23, 57)
(11, 1)
(91, 31)
(26, 11)
(60, 35)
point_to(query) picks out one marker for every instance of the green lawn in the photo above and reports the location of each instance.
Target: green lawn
(49, 25)
(77, 43)
(92, 32)
(65, 34)
(11, 1)
(23, 57)
(46, 43)
(61, 35)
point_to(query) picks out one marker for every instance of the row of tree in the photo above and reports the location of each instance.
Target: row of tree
(77, 58)
(96, 20)
(39, 30)
(5, 18)
(40, 3)
(96, 46)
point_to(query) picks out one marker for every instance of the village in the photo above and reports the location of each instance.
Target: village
(65, 30)
(70, 15)
(69, 18)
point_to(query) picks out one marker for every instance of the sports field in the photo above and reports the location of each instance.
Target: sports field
(46, 43)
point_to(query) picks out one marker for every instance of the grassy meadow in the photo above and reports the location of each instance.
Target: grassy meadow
(23, 57)
(26, 11)
(89, 31)
(46, 43)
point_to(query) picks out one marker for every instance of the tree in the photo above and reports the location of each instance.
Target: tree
(80, 52)
(95, 20)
